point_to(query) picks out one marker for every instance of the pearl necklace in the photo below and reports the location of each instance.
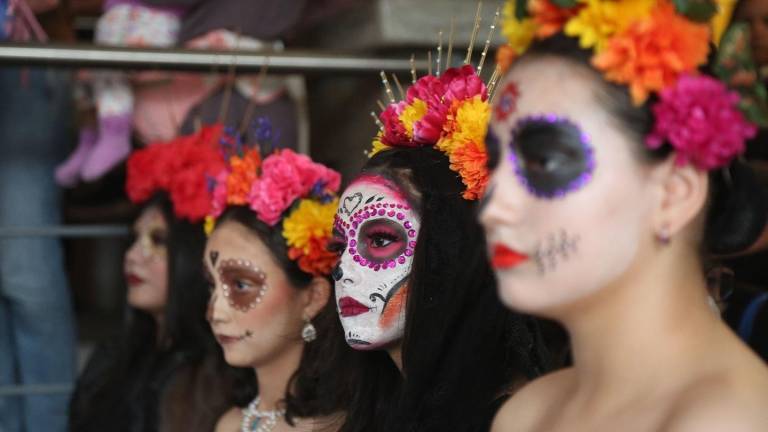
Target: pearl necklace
(255, 420)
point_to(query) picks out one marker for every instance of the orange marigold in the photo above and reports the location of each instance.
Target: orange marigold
(505, 55)
(470, 161)
(549, 17)
(650, 54)
(244, 171)
(318, 261)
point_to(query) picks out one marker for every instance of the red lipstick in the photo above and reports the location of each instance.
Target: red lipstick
(131, 279)
(349, 307)
(506, 258)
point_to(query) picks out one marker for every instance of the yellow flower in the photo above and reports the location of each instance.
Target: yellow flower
(310, 220)
(598, 20)
(518, 33)
(720, 20)
(307, 231)
(468, 124)
(378, 145)
(411, 114)
(209, 225)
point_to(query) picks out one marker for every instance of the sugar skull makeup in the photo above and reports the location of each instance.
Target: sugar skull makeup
(551, 155)
(243, 284)
(557, 216)
(375, 231)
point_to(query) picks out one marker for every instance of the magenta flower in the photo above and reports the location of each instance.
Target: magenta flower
(285, 177)
(700, 119)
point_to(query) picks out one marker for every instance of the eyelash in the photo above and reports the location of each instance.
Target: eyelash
(379, 234)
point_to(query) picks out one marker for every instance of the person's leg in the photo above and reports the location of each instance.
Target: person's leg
(35, 115)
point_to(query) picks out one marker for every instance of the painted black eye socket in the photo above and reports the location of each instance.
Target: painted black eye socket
(493, 149)
(551, 155)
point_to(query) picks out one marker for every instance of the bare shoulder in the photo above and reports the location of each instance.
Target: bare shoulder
(735, 401)
(230, 421)
(527, 407)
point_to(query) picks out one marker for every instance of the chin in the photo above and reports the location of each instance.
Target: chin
(533, 299)
(233, 358)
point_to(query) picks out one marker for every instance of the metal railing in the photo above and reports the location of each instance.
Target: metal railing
(92, 56)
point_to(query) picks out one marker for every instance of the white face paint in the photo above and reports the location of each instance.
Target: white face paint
(569, 208)
(376, 231)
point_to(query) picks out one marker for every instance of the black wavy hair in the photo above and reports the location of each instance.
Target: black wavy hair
(737, 206)
(462, 351)
(319, 387)
(124, 380)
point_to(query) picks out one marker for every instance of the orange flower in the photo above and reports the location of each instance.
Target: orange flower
(243, 174)
(505, 55)
(550, 18)
(470, 161)
(318, 261)
(651, 53)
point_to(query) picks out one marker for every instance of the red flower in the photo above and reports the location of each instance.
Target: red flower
(181, 168)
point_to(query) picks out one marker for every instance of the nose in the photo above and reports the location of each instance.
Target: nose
(504, 199)
(348, 274)
(337, 273)
(133, 254)
(216, 312)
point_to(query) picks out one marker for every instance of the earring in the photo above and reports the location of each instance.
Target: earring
(309, 332)
(663, 235)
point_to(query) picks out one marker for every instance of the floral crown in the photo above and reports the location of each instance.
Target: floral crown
(283, 186)
(655, 47)
(180, 168)
(448, 111)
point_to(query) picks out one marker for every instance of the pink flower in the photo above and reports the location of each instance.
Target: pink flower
(700, 118)
(394, 130)
(462, 84)
(285, 177)
(269, 199)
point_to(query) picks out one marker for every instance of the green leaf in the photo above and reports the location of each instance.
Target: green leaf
(696, 10)
(521, 9)
(567, 4)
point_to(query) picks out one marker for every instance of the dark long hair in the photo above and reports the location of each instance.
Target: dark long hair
(462, 351)
(737, 209)
(319, 387)
(121, 387)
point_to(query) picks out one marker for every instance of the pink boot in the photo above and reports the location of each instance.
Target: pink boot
(68, 172)
(113, 146)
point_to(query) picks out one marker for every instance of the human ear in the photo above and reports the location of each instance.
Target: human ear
(316, 296)
(683, 191)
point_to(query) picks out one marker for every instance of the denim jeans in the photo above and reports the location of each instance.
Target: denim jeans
(37, 337)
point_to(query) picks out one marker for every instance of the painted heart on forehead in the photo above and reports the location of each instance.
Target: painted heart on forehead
(351, 203)
(377, 241)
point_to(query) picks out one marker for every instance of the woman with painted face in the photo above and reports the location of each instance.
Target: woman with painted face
(414, 290)
(607, 183)
(268, 269)
(164, 371)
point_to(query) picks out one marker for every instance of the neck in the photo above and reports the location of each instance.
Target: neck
(273, 376)
(652, 323)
